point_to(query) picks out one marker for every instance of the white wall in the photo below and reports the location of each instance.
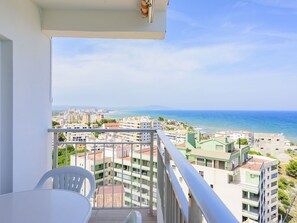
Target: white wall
(6, 78)
(230, 194)
(20, 22)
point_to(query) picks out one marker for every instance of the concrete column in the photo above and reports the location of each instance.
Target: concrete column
(6, 100)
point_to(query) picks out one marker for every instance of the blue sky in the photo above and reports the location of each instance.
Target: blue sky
(217, 55)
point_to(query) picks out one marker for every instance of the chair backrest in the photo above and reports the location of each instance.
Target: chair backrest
(133, 217)
(68, 178)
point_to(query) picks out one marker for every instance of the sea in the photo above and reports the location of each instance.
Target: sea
(284, 122)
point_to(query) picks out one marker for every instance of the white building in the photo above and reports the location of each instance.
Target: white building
(235, 135)
(272, 143)
(138, 122)
(75, 126)
(249, 191)
(247, 185)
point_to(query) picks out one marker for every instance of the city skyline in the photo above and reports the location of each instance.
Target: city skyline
(235, 55)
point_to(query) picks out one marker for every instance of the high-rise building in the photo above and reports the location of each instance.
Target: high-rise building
(133, 173)
(246, 184)
(138, 122)
(121, 171)
(97, 163)
(86, 118)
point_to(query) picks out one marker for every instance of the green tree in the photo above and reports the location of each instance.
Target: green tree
(283, 183)
(65, 153)
(191, 129)
(96, 134)
(242, 141)
(291, 168)
(253, 152)
(61, 137)
(105, 120)
(54, 124)
(291, 183)
(161, 119)
(282, 196)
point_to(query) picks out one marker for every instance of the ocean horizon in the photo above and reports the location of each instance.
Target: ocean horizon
(210, 121)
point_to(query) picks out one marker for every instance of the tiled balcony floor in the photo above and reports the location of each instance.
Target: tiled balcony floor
(118, 216)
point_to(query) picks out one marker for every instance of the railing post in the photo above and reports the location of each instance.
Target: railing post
(55, 164)
(167, 188)
(160, 176)
(195, 214)
(151, 172)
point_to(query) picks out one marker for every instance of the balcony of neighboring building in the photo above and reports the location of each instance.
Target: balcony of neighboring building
(250, 212)
(250, 198)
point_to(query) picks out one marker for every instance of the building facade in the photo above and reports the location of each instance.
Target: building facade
(138, 122)
(246, 184)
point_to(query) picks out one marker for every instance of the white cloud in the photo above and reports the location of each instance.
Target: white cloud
(141, 73)
(137, 72)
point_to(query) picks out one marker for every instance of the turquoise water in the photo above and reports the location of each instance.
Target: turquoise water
(210, 121)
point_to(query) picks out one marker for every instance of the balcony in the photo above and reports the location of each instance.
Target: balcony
(252, 213)
(133, 166)
(251, 199)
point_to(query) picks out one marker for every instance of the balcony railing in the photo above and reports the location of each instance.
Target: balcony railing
(143, 174)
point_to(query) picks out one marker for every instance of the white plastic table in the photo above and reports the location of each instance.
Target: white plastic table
(44, 206)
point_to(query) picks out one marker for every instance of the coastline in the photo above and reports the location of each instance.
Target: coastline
(211, 121)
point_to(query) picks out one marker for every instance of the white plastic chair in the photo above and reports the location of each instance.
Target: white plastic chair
(133, 217)
(68, 178)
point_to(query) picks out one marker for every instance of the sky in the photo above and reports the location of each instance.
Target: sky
(217, 55)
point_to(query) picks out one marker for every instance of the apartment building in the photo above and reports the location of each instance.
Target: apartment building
(272, 143)
(121, 168)
(133, 172)
(259, 179)
(235, 135)
(97, 163)
(86, 118)
(246, 184)
(138, 122)
(75, 126)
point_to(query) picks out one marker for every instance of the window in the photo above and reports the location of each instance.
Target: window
(274, 175)
(209, 163)
(273, 191)
(200, 161)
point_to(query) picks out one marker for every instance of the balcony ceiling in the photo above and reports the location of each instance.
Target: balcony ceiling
(97, 4)
(101, 19)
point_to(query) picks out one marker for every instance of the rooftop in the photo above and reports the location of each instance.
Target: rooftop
(109, 189)
(252, 166)
(111, 125)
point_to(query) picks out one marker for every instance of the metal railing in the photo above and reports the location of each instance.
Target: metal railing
(146, 163)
